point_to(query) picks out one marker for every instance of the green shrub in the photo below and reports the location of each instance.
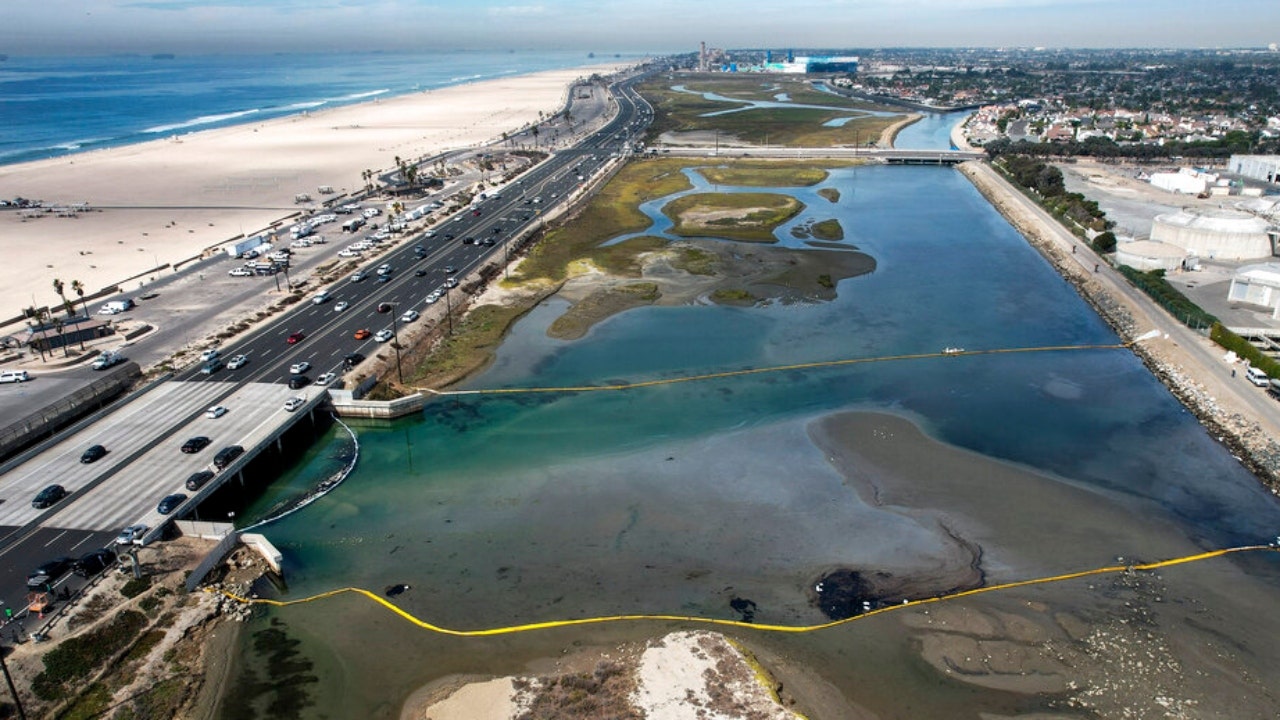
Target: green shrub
(80, 657)
(1152, 282)
(1104, 242)
(136, 587)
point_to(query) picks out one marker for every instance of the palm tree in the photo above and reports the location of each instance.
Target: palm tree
(58, 287)
(78, 287)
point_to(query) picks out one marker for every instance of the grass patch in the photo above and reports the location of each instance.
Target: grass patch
(93, 703)
(694, 261)
(575, 322)
(727, 296)
(830, 194)
(614, 211)
(136, 586)
(470, 348)
(676, 111)
(766, 174)
(748, 217)
(829, 230)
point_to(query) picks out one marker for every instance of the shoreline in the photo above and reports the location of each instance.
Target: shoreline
(164, 202)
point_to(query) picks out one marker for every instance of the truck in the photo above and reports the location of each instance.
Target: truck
(237, 249)
(352, 225)
(115, 307)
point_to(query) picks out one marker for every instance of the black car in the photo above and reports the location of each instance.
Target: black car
(468, 240)
(170, 503)
(43, 577)
(419, 273)
(95, 452)
(352, 360)
(195, 444)
(226, 455)
(299, 381)
(197, 480)
(94, 563)
(48, 497)
(448, 236)
(488, 241)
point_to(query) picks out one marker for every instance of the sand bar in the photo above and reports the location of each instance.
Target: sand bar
(169, 200)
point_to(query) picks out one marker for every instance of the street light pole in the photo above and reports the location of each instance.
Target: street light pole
(448, 311)
(22, 714)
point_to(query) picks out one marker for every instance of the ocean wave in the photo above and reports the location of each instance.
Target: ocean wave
(202, 120)
(462, 78)
(306, 105)
(357, 96)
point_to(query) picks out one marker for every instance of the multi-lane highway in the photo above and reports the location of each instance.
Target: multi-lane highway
(143, 437)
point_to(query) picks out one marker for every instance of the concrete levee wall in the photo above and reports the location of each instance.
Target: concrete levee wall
(345, 406)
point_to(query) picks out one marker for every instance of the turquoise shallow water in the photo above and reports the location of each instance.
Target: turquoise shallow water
(510, 509)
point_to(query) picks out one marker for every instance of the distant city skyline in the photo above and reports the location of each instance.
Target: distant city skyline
(657, 26)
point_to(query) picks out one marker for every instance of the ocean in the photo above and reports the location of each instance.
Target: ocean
(53, 106)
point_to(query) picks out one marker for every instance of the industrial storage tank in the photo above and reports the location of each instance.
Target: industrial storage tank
(1215, 233)
(1146, 255)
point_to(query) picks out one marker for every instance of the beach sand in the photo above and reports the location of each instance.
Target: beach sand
(168, 201)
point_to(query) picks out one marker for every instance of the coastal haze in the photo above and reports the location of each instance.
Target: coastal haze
(831, 437)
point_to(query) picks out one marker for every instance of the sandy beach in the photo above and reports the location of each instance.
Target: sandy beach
(168, 201)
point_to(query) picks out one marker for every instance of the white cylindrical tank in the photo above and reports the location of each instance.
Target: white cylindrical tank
(1146, 255)
(1215, 233)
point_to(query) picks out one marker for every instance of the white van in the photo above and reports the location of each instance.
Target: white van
(14, 376)
(1257, 377)
(320, 298)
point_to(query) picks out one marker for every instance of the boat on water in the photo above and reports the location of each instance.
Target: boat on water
(952, 350)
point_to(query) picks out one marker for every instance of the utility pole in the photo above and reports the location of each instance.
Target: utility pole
(448, 311)
(395, 338)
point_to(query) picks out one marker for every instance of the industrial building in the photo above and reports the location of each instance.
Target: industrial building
(1257, 285)
(1215, 233)
(1257, 167)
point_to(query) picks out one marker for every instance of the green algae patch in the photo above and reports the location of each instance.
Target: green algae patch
(828, 230)
(830, 194)
(746, 217)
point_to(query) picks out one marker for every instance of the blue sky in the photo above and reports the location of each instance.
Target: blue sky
(195, 26)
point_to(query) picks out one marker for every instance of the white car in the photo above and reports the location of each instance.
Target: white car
(383, 335)
(326, 378)
(294, 403)
(208, 355)
(409, 316)
(215, 412)
(237, 361)
(432, 298)
(132, 535)
(300, 367)
(348, 253)
(342, 305)
(241, 272)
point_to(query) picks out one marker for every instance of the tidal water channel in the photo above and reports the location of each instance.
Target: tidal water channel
(684, 498)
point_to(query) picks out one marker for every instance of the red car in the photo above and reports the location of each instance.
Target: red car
(362, 333)
(295, 338)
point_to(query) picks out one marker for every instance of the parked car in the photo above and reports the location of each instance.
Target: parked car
(362, 334)
(226, 455)
(48, 497)
(209, 354)
(215, 412)
(94, 453)
(383, 335)
(195, 444)
(240, 272)
(294, 403)
(197, 480)
(43, 577)
(296, 338)
(325, 379)
(299, 368)
(297, 382)
(171, 503)
(93, 563)
(237, 361)
(451, 282)
(409, 316)
(132, 535)
(351, 360)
